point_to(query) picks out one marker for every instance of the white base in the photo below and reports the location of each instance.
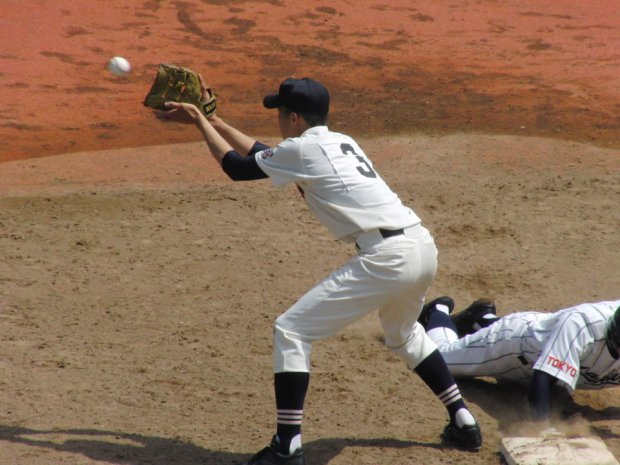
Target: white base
(556, 451)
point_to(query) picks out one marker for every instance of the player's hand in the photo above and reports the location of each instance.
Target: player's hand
(209, 98)
(178, 112)
(204, 89)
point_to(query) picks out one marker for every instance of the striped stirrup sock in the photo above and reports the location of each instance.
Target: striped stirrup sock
(290, 417)
(450, 395)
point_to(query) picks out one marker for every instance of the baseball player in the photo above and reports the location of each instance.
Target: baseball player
(394, 264)
(576, 347)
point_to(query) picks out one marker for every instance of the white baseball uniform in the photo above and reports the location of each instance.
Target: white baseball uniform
(391, 272)
(568, 344)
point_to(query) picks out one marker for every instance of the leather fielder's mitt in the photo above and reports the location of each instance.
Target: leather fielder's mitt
(177, 84)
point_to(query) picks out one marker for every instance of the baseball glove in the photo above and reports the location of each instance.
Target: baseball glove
(177, 84)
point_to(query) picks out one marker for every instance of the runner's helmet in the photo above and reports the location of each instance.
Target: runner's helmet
(612, 334)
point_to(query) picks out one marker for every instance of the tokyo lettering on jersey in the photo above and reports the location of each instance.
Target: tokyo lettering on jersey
(329, 167)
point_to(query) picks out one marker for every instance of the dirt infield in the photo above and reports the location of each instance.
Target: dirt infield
(547, 69)
(138, 285)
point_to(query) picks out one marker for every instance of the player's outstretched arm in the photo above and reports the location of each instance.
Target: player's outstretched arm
(239, 141)
(187, 112)
(539, 395)
(237, 167)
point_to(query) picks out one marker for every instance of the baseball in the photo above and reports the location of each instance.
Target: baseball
(119, 66)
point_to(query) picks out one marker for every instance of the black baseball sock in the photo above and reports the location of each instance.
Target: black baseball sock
(439, 319)
(435, 374)
(290, 390)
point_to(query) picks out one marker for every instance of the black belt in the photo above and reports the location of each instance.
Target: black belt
(385, 233)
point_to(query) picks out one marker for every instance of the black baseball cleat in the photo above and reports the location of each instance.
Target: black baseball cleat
(467, 437)
(471, 319)
(270, 456)
(443, 300)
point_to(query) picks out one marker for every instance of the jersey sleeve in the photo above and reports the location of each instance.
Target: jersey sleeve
(282, 163)
(568, 340)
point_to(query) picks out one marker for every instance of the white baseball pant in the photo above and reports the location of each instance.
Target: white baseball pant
(391, 275)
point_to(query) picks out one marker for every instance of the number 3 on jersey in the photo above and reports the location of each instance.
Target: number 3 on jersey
(364, 168)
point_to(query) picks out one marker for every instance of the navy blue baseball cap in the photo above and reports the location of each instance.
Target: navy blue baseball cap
(304, 95)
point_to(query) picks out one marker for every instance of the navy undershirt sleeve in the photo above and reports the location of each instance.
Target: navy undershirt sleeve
(240, 168)
(257, 147)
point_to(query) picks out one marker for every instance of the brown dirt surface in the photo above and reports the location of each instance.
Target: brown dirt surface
(138, 285)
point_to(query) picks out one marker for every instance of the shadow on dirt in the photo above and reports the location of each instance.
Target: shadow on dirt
(508, 404)
(136, 449)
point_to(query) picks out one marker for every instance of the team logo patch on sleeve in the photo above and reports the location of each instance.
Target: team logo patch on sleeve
(266, 153)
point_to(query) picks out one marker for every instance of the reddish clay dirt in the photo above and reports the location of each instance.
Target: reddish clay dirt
(138, 285)
(547, 69)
